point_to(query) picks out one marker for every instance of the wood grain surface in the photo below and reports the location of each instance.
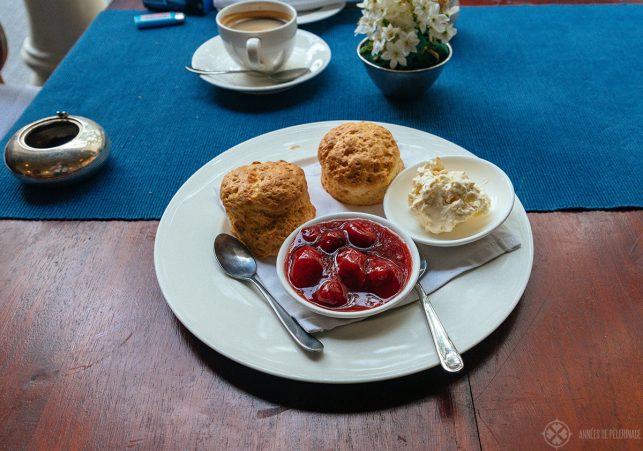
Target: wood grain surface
(91, 355)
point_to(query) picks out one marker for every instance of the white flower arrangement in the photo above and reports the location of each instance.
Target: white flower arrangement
(406, 34)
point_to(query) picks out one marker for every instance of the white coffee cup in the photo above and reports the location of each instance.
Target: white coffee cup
(258, 35)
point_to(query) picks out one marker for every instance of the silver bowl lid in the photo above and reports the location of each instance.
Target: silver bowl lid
(55, 149)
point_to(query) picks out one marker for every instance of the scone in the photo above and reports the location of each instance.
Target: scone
(358, 162)
(265, 202)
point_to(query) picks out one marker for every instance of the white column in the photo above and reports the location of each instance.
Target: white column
(54, 28)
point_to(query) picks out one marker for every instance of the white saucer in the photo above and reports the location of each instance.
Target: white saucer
(310, 51)
(491, 179)
(321, 13)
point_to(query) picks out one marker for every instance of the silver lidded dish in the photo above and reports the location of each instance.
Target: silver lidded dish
(57, 149)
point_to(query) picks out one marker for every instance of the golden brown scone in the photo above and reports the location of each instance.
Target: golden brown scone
(358, 161)
(265, 202)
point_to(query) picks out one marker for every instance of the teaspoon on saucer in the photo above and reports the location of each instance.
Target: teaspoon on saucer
(281, 76)
(237, 262)
(450, 358)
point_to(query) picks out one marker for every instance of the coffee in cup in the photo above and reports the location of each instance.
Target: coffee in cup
(256, 20)
(258, 35)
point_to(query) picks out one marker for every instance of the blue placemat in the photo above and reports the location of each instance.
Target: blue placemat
(552, 94)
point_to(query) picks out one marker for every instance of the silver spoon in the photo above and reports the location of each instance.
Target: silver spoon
(450, 359)
(237, 262)
(281, 76)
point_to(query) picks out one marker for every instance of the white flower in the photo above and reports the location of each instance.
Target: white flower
(408, 41)
(419, 10)
(434, 8)
(439, 23)
(365, 26)
(390, 32)
(404, 21)
(422, 22)
(425, 12)
(445, 36)
(400, 15)
(453, 11)
(394, 53)
(421, 7)
(378, 44)
(377, 14)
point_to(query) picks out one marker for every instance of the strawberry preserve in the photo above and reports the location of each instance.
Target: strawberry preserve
(348, 264)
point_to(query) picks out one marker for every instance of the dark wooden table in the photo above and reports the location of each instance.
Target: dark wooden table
(92, 357)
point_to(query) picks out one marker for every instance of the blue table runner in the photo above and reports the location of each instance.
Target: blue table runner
(551, 94)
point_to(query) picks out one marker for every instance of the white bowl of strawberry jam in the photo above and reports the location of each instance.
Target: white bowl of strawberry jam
(348, 265)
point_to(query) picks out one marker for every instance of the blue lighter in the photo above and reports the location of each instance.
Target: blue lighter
(159, 20)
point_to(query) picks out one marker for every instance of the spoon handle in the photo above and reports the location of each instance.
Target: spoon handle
(450, 359)
(303, 338)
(219, 72)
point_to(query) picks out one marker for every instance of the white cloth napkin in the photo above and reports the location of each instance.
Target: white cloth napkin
(444, 263)
(299, 5)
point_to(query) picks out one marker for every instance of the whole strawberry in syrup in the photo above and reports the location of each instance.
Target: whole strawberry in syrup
(307, 267)
(350, 267)
(331, 293)
(360, 234)
(383, 278)
(331, 241)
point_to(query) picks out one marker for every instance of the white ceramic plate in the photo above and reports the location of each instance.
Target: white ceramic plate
(233, 320)
(489, 177)
(310, 51)
(317, 14)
